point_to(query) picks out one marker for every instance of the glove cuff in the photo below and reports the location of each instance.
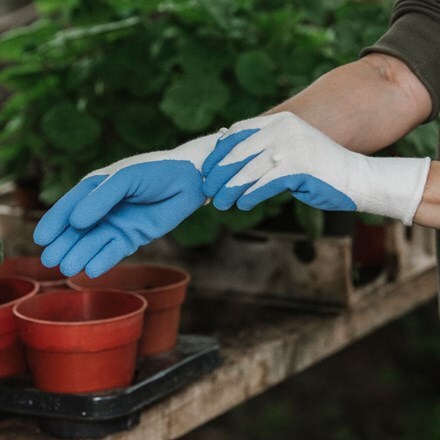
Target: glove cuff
(393, 186)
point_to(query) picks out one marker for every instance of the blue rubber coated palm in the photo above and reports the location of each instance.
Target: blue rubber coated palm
(102, 220)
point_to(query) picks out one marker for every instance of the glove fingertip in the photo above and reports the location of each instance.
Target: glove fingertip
(41, 238)
(67, 270)
(221, 205)
(208, 165)
(48, 260)
(208, 189)
(95, 272)
(79, 220)
(244, 205)
(47, 230)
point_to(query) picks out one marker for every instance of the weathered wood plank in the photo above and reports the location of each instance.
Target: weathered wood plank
(262, 355)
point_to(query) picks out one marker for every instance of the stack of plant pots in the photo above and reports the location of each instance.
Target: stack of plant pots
(82, 335)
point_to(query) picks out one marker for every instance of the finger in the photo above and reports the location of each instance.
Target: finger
(56, 220)
(268, 186)
(101, 201)
(223, 147)
(242, 181)
(220, 175)
(108, 257)
(227, 197)
(56, 251)
(85, 249)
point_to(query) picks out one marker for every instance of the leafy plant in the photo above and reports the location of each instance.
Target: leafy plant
(92, 82)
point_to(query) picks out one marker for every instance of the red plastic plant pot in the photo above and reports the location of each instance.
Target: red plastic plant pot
(12, 291)
(163, 287)
(49, 279)
(80, 342)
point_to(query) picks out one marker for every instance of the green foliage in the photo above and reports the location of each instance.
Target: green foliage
(93, 82)
(421, 142)
(255, 73)
(310, 219)
(69, 129)
(193, 101)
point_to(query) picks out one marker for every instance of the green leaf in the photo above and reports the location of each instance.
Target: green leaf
(421, 142)
(193, 101)
(141, 77)
(52, 6)
(138, 125)
(195, 58)
(201, 228)
(69, 129)
(21, 75)
(8, 152)
(237, 220)
(243, 106)
(64, 37)
(54, 186)
(16, 44)
(311, 219)
(255, 72)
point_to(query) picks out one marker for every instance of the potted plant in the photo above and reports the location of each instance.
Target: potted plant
(118, 79)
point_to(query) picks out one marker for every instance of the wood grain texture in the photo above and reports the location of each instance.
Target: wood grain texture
(261, 355)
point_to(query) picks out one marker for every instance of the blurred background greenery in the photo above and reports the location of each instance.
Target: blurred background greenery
(92, 82)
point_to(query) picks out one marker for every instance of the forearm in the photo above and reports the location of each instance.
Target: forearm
(364, 106)
(367, 105)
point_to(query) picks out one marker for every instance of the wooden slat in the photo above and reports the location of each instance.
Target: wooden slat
(260, 356)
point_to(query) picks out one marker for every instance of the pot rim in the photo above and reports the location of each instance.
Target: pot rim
(105, 321)
(16, 301)
(33, 259)
(186, 278)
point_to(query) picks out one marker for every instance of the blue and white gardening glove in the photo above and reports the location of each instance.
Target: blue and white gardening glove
(261, 157)
(115, 210)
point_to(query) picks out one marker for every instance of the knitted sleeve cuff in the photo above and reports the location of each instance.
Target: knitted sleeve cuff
(414, 38)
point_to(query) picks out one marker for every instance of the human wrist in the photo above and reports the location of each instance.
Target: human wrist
(428, 212)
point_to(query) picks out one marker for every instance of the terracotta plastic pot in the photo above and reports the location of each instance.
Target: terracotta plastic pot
(369, 248)
(79, 342)
(12, 291)
(32, 267)
(163, 287)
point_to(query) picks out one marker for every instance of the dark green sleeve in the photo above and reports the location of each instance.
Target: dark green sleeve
(414, 38)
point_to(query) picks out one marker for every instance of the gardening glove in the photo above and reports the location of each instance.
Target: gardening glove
(116, 209)
(261, 157)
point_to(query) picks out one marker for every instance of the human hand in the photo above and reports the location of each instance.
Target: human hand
(259, 158)
(115, 210)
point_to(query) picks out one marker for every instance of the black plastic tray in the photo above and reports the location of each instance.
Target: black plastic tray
(99, 414)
